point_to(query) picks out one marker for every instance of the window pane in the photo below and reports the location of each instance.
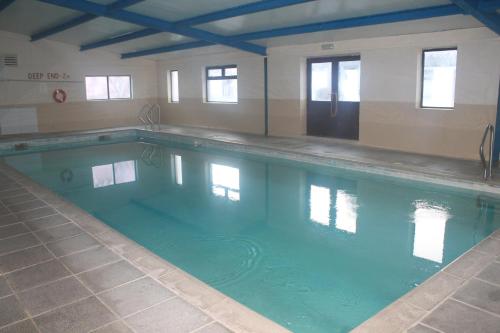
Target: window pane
(439, 79)
(225, 181)
(349, 81)
(430, 227)
(119, 87)
(102, 175)
(321, 81)
(225, 91)
(233, 71)
(214, 72)
(347, 216)
(124, 172)
(96, 87)
(320, 201)
(174, 86)
(177, 169)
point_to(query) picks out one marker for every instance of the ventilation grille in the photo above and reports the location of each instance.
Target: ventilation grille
(9, 60)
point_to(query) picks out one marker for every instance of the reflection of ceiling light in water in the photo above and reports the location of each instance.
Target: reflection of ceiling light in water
(225, 181)
(430, 227)
(320, 205)
(346, 208)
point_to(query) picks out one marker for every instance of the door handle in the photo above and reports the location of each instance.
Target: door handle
(333, 111)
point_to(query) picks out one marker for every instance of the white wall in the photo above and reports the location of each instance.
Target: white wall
(16, 90)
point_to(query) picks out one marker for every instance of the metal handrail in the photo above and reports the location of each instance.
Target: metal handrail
(148, 118)
(490, 129)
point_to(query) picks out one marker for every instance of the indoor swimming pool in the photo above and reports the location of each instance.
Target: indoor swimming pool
(315, 249)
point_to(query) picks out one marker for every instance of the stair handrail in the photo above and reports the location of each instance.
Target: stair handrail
(488, 167)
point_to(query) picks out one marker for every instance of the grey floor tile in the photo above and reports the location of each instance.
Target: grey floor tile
(490, 246)
(74, 244)
(9, 219)
(59, 232)
(469, 264)
(28, 205)
(456, 317)
(116, 327)
(491, 273)
(174, 315)
(13, 230)
(17, 243)
(25, 326)
(218, 328)
(12, 200)
(47, 222)
(10, 311)
(84, 261)
(4, 210)
(36, 213)
(4, 288)
(82, 316)
(24, 258)
(36, 275)
(8, 185)
(12, 193)
(110, 276)
(52, 295)
(135, 296)
(420, 329)
(480, 294)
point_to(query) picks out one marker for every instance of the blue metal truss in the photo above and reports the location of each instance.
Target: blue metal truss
(80, 20)
(5, 3)
(399, 16)
(471, 7)
(246, 9)
(155, 23)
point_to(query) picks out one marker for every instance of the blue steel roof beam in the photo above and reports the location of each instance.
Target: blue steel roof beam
(489, 5)
(490, 20)
(399, 16)
(80, 20)
(5, 3)
(250, 8)
(155, 23)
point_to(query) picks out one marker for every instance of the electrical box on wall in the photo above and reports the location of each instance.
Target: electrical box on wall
(327, 46)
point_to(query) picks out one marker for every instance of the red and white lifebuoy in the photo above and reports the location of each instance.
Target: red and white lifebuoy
(59, 96)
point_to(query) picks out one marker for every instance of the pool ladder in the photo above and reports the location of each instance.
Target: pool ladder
(487, 173)
(150, 116)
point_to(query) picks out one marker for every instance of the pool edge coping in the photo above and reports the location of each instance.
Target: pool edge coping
(225, 310)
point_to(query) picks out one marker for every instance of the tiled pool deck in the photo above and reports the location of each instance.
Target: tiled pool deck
(62, 270)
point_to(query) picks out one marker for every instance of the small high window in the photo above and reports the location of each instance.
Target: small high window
(108, 87)
(438, 78)
(222, 84)
(173, 87)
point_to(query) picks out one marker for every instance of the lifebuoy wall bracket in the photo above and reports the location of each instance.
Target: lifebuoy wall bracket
(59, 96)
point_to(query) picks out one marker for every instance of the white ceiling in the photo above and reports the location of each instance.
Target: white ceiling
(36, 16)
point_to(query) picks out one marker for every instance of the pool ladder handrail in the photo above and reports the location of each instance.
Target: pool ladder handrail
(150, 116)
(490, 129)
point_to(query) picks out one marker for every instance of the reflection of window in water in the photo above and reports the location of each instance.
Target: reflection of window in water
(320, 201)
(225, 181)
(430, 227)
(177, 169)
(116, 173)
(346, 208)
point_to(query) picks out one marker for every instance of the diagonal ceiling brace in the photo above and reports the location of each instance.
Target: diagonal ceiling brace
(155, 23)
(471, 7)
(80, 20)
(246, 9)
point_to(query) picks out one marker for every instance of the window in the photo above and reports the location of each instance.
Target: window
(430, 227)
(349, 81)
(173, 88)
(320, 201)
(225, 181)
(116, 173)
(108, 87)
(222, 84)
(438, 78)
(177, 169)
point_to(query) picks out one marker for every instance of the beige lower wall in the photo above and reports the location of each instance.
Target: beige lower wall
(286, 117)
(246, 116)
(77, 116)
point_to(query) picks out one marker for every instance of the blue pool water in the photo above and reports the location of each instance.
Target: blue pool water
(313, 248)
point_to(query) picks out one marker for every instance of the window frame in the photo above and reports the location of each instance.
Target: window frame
(222, 77)
(107, 88)
(170, 87)
(422, 71)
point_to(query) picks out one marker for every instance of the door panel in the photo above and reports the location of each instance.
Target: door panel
(333, 97)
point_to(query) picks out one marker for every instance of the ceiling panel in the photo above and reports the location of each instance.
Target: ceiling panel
(316, 11)
(153, 41)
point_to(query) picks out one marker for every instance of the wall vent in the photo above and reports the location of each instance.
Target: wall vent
(9, 60)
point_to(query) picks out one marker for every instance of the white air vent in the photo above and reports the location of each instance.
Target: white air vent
(9, 60)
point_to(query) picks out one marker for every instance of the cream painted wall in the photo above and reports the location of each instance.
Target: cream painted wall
(16, 90)
(389, 113)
